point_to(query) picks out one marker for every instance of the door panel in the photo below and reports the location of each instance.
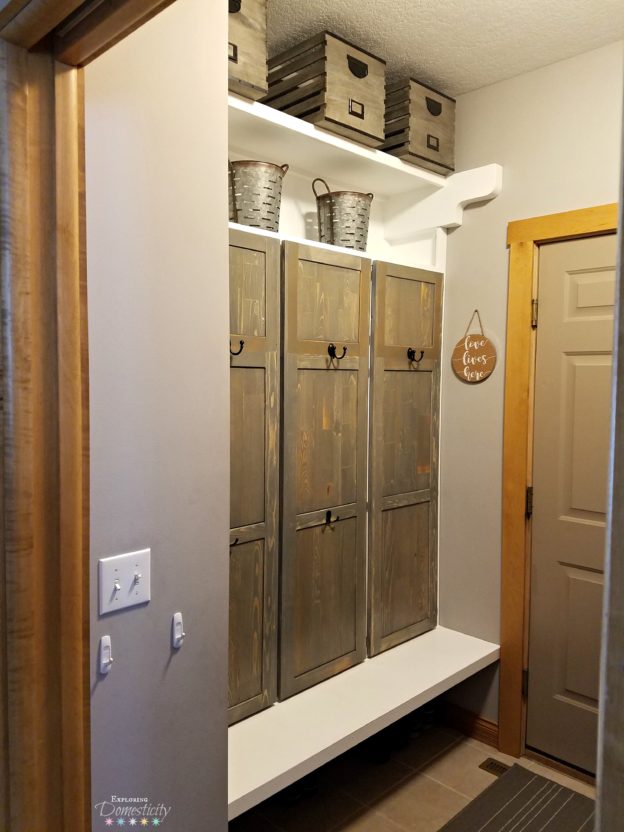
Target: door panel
(571, 446)
(325, 581)
(247, 445)
(247, 292)
(254, 472)
(247, 567)
(327, 424)
(328, 302)
(409, 312)
(404, 455)
(405, 567)
(325, 408)
(408, 410)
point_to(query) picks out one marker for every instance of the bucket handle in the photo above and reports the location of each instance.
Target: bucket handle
(234, 206)
(318, 179)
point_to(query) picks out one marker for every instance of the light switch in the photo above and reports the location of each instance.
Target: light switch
(106, 655)
(177, 631)
(124, 581)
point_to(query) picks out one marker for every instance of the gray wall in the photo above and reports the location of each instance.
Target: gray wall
(556, 132)
(158, 334)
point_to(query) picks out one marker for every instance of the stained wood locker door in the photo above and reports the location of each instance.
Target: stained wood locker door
(254, 469)
(404, 455)
(323, 611)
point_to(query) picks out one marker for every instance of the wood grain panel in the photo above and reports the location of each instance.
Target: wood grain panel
(325, 586)
(73, 364)
(328, 303)
(247, 445)
(325, 414)
(85, 36)
(327, 432)
(246, 630)
(247, 292)
(407, 423)
(32, 21)
(403, 483)
(254, 471)
(410, 313)
(405, 568)
(9, 9)
(515, 481)
(44, 768)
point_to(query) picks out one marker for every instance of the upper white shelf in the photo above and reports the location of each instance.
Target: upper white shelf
(416, 199)
(272, 136)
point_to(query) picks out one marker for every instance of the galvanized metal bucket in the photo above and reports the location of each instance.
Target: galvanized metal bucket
(256, 193)
(343, 217)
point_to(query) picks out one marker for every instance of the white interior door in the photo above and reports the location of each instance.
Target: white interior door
(571, 446)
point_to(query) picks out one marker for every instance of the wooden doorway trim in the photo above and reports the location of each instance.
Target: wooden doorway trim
(45, 759)
(524, 238)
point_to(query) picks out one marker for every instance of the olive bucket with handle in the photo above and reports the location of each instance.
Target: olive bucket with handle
(343, 217)
(256, 193)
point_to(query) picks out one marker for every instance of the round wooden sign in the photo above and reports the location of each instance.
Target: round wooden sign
(474, 358)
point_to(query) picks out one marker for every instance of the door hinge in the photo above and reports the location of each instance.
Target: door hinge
(534, 312)
(525, 683)
(529, 501)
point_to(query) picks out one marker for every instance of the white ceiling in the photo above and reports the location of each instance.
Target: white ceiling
(457, 45)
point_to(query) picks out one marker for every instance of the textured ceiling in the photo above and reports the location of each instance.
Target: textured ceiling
(454, 45)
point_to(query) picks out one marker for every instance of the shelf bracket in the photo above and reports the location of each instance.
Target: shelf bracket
(406, 217)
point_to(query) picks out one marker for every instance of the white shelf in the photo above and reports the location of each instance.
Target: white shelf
(263, 133)
(273, 749)
(365, 255)
(415, 200)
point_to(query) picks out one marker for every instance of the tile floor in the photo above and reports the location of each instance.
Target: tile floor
(409, 779)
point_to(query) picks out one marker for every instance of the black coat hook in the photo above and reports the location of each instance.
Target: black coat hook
(328, 518)
(331, 349)
(411, 355)
(236, 539)
(238, 352)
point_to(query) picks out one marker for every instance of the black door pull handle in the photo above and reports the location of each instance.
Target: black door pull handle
(238, 351)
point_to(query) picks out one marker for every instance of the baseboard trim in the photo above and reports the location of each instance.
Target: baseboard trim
(470, 724)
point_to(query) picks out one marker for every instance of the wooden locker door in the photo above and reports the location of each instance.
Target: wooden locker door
(404, 455)
(254, 472)
(323, 608)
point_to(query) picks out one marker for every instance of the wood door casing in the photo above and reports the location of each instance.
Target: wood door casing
(524, 238)
(571, 445)
(44, 422)
(326, 298)
(404, 455)
(254, 472)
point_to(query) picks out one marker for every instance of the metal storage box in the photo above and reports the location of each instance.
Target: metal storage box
(333, 84)
(420, 126)
(247, 48)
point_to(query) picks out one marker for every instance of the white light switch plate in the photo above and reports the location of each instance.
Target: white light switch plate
(124, 581)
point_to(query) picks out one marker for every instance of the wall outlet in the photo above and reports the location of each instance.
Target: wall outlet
(124, 581)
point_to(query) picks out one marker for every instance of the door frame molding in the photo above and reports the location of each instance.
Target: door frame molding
(524, 238)
(45, 659)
